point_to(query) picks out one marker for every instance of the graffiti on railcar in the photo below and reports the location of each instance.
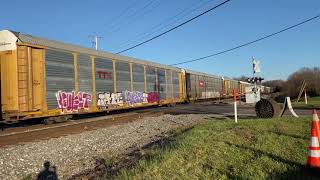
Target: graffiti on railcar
(109, 99)
(153, 97)
(201, 84)
(210, 94)
(72, 102)
(133, 97)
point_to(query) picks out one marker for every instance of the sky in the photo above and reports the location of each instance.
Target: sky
(124, 23)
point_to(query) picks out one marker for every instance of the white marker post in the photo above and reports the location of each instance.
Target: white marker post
(290, 107)
(305, 96)
(235, 105)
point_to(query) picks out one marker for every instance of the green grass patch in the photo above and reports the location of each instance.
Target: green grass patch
(313, 102)
(250, 149)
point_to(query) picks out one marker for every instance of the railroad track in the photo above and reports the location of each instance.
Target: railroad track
(18, 135)
(35, 132)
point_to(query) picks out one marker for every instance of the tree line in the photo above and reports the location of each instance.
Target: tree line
(292, 85)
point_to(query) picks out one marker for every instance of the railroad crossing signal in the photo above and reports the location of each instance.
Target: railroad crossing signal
(256, 66)
(255, 80)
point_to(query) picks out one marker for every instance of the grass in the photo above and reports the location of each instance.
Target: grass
(313, 102)
(250, 149)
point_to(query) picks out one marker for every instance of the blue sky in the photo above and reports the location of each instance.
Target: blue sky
(234, 23)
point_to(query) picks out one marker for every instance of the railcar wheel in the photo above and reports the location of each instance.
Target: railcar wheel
(47, 121)
(1, 126)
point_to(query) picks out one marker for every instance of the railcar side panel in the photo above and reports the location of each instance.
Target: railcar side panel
(161, 83)
(176, 85)
(193, 89)
(104, 78)
(123, 76)
(59, 77)
(24, 65)
(203, 87)
(104, 75)
(229, 86)
(85, 74)
(9, 81)
(30, 78)
(169, 87)
(138, 77)
(151, 79)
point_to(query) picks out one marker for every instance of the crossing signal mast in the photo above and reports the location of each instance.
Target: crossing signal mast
(255, 79)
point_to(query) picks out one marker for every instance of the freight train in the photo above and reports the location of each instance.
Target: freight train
(42, 78)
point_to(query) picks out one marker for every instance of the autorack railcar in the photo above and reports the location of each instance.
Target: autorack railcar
(203, 86)
(44, 78)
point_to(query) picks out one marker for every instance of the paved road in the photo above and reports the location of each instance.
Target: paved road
(221, 110)
(218, 110)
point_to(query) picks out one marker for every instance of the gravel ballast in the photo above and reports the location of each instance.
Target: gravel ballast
(73, 154)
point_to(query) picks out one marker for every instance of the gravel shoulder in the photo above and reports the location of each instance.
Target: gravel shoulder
(76, 153)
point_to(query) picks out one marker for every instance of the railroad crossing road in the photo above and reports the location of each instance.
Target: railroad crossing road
(220, 110)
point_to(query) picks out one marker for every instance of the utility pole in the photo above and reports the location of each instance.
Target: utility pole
(95, 41)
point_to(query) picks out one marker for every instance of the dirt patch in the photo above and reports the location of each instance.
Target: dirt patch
(244, 134)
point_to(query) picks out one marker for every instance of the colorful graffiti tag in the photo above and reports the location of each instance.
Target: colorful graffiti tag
(72, 102)
(107, 99)
(153, 97)
(210, 94)
(201, 83)
(133, 97)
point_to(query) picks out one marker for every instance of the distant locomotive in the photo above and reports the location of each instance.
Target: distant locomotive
(42, 78)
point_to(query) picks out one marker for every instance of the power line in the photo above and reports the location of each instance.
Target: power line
(134, 16)
(164, 24)
(120, 15)
(249, 43)
(195, 17)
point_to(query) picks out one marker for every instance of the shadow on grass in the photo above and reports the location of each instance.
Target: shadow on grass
(289, 135)
(298, 171)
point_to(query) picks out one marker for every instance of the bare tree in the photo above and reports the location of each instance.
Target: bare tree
(295, 80)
